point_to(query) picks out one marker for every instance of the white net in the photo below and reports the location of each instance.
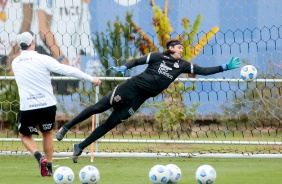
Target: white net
(217, 115)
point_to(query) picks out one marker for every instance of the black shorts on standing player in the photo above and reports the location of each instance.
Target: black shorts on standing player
(44, 118)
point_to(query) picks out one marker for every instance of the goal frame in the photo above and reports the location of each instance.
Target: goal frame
(96, 152)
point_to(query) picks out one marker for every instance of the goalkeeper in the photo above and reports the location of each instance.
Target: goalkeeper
(127, 97)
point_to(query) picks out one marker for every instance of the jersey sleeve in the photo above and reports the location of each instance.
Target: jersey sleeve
(54, 66)
(195, 69)
(206, 70)
(150, 57)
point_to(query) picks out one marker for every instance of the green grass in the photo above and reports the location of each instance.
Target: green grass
(24, 169)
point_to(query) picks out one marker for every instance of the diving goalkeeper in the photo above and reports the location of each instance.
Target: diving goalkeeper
(127, 97)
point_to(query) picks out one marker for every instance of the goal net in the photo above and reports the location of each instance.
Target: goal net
(216, 116)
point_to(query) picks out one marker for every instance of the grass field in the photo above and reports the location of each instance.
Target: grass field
(24, 170)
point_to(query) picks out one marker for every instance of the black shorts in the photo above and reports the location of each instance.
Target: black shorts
(125, 99)
(44, 118)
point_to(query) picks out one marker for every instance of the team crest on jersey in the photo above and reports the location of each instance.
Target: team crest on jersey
(131, 111)
(164, 70)
(117, 98)
(176, 65)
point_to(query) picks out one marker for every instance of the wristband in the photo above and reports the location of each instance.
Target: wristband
(224, 67)
(60, 59)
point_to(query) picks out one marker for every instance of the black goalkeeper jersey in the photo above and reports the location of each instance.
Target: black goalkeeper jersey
(162, 70)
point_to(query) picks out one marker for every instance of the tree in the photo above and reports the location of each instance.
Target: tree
(9, 100)
(164, 31)
(115, 47)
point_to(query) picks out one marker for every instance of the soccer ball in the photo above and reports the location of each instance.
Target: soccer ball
(159, 174)
(249, 73)
(89, 175)
(63, 175)
(174, 173)
(205, 174)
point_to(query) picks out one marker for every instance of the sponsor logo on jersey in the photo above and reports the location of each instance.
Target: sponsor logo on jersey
(34, 97)
(25, 59)
(38, 105)
(163, 69)
(47, 126)
(32, 129)
(131, 111)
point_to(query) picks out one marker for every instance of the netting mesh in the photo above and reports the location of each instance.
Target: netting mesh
(218, 114)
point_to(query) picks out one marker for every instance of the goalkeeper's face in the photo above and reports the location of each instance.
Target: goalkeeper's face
(177, 51)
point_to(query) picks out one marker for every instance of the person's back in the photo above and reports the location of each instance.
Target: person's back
(32, 74)
(37, 102)
(33, 79)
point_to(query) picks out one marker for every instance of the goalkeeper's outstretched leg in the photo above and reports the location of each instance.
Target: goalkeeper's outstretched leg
(99, 107)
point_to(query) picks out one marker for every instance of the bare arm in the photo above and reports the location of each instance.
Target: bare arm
(143, 60)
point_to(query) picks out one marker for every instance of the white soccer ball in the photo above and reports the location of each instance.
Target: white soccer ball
(174, 173)
(63, 175)
(205, 174)
(89, 175)
(248, 73)
(159, 174)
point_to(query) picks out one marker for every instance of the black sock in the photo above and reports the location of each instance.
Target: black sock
(49, 166)
(37, 155)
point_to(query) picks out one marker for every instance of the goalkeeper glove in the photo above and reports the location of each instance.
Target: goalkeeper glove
(233, 64)
(122, 69)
